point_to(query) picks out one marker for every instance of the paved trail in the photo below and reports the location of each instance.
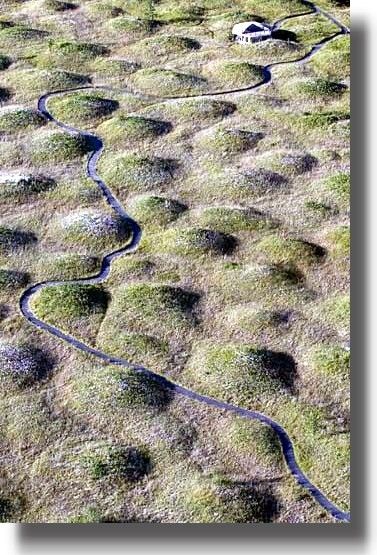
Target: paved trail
(91, 168)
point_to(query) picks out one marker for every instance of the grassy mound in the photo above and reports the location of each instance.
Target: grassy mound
(335, 311)
(256, 321)
(224, 142)
(120, 461)
(153, 210)
(112, 67)
(12, 279)
(157, 310)
(338, 187)
(82, 107)
(333, 60)
(5, 62)
(280, 251)
(136, 348)
(20, 187)
(331, 361)
(92, 228)
(112, 389)
(240, 373)
(271, 286)
(131, 172)
(271, 50)
(57, 146)
(13, 239)
(14, 119)
(66, 266)
(207, 499)
(22, 364)
(33, 81)
(11, 33)
(166, 82)
(180, 13)
(312, 89)
(70, 55)
(58, 5)
(255, 439)
(124, 130)
(248, 183)
(183, 111)
(163, 46)
(191, 241)
(229, 219)
(233, 74)
(340, 242)
(289, 164)
(60, 303)
(132, 26)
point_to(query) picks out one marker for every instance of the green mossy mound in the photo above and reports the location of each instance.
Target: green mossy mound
(338, 187)
(183, 111)
(333, 60)
(70, 55)
(132, 26)
(231, 219)
(271, 286)
(33, 81)
(331, 361)
(159, 311)
(335, 311)
(136, 348)
(67, 266)
(233, 74)
(57, 146)
(224, 142)
(60, 303)
(254, 439)
(162, 46)
(21, 187)
(112, 389)
(13, 239)
(155, 211)
(22, 364)
(120, 461)
(280, 251)
(249, 183)
(180, 13)
(206, 499)
(167, 82)
(112, 67)
(124, 130)
(82, 107)
(340, 242)
(191, 241)
(12, 279)
(132, 172)
(239, 373)
(92, 229)
(14, 119)
(11, 32)
(312, 89)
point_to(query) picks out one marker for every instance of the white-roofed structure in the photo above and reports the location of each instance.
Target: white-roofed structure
(250, 31)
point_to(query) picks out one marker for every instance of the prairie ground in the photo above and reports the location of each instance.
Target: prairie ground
(239, 288)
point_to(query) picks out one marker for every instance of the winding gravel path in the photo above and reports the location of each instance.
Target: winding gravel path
(97, 148)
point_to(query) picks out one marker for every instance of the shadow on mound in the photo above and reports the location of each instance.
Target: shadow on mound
(5, 94)
(260, 504)
(283, 34)
(146, 390)
(281, 367)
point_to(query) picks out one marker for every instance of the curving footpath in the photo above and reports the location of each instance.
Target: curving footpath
(97, 147)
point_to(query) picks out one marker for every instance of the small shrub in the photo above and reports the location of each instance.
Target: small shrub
(14, 119)
(12, 279)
